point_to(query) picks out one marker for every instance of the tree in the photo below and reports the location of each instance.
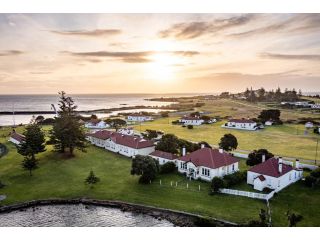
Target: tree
(164, 114)
(33, 143)
(228, 142)
(145, 167)
(168, 143)
(150, 134)
(255, 157)
(168, 167)
(190, 126)
(261, 94)
(116, 123)
(67, 132)
(293, 218)
(270, 114)
(92, 179)
(262, 222)
(216, 184)
(39, 119)
(94, 116)
(29, 164)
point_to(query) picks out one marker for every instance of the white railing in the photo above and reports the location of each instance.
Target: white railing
(247, 194)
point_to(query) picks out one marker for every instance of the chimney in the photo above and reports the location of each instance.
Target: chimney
(297, 163)
(220, 150)
(183, 151)
(263, 158)
(280, 164)
(202, 145)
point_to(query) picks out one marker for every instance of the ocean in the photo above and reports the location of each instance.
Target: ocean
(85, 102)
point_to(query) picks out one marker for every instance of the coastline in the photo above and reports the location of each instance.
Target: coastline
(178, 218)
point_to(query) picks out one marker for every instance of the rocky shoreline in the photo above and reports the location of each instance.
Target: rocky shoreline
(178, 218)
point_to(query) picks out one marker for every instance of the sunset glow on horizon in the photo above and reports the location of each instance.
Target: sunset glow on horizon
(158, 53)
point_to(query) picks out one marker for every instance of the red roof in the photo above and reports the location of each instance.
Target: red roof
(17, 136)
(210, 158)
(271, 168)
(241, 121)
(166, 155)
(125, 140)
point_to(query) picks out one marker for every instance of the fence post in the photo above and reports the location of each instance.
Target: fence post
(150, 181)
(160, 181)
(187, 185)
(171, 183)
(199, 187)
(176, 184)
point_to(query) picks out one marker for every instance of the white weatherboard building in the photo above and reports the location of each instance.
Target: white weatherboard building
(163, 157)
(16, 138)
(242, 124)
(123, 144)
(207, 163)
(273, 174)
(139, 118)
(96, 124)
(195, 121)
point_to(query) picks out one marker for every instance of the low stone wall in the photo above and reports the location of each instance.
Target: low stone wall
(178, 218)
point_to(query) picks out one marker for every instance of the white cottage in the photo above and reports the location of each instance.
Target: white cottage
(163, 157)
(242, 124)
(207, 163)
(123, 144)
(96, 124)
(16, 138)
(139, 118)
(195, 121)
(274, 174)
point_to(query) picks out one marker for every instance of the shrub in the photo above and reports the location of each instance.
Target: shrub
(175, 122)
(310, 181)
(216, 184)
(315, 173)
(190, 127)
(235, 178)
(168, 167)
(2, 185)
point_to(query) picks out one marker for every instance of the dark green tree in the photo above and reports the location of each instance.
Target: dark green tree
(228, 142)
(145, 167)
(92, 179)
(168, 143)
(29, 164)
(34, 141)
(116, 123)
(67, 132)
(293, 218)
(150, 134)
(216, 184)
(270, 114)
(255, 157)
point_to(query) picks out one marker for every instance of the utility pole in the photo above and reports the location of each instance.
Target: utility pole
(315, 159)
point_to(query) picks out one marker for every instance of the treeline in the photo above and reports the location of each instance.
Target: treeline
(273, 96)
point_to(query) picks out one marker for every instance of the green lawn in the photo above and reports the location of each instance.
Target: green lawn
(285, 140)
(64, 178)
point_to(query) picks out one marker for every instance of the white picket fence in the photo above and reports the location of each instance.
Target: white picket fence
(247, 194)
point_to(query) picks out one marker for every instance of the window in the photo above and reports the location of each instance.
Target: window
(205, 172)
(232, 167)
(289, 176)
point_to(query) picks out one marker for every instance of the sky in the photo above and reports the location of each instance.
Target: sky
(158, 53)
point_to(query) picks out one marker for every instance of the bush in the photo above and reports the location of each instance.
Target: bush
(168, 167)
(175, 122)
(2, 185)
(310, 181)
(190, 127)
(235, 178)
(216, 184)
(315, 173)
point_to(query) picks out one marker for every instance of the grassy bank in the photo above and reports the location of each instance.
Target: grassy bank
(64, 178)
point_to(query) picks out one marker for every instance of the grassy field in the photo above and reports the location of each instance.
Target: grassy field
(285, 140)
(64, 178)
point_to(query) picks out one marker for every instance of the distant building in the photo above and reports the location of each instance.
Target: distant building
(119, 143)
(242, 124)
(139, 118)
(96, 124)
(16, 138)
(315, 106)
(163, 157)
(274, 174)
(126, 131)
(269, 123)
(308, 125)
(207, 163)
(195, 121)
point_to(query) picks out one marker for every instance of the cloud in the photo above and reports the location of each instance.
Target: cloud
(311, 57)
(295, 24)
(10, 53)
(39, 73)
(89, 33)
(130, 57)
(189, 30)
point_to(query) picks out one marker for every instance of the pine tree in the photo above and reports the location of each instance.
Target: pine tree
(67, 132)
(92, 179)
(33, 144)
